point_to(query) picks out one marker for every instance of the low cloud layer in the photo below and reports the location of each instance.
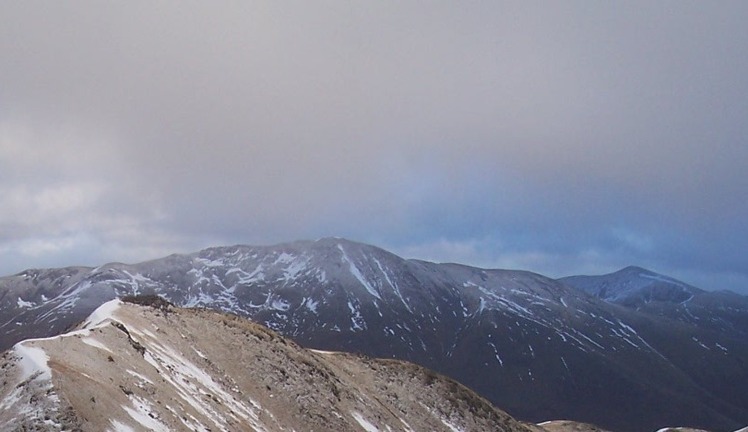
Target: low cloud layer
(559, 138)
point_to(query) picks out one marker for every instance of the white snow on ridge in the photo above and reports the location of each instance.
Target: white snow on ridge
(102, 314)
(33, 361)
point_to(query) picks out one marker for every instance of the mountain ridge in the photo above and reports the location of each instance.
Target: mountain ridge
(132, 367)
(535, 346)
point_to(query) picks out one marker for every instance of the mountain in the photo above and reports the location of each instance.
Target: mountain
(537, 347)
(656, 294)
(158, 368)
(634, 287)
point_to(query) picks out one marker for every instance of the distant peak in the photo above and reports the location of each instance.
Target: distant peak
(329, 239)
(336, 241)
(633, 269)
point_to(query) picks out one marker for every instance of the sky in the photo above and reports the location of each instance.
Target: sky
(567, 137)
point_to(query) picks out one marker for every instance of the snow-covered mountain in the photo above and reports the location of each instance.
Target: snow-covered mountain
(137, 368)
(534, 346)
(660, 295)
(634, 286)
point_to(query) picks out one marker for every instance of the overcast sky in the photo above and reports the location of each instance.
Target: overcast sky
(560, 137)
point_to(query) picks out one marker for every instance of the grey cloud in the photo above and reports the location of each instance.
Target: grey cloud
(566, 133)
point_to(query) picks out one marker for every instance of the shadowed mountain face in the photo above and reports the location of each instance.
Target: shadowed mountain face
(536, 347)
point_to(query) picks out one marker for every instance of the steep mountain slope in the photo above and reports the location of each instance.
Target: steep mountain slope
(532, 345)
(133, 368)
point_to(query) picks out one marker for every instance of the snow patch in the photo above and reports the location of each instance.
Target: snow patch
(94, 343)
(311, 305)
(294, 269)
(33, 362)
(199, 353)
(139, 376)
(357, 321)
(407, 426)
(102, 314)
(450, 425)
(700, 343)
(368, 427)
(496, 353)
(191, 383)
(393, 284)
(444, 420)
(143, 414)
(280, 305)
(24, 304)
(357, 274)
(119, 427)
